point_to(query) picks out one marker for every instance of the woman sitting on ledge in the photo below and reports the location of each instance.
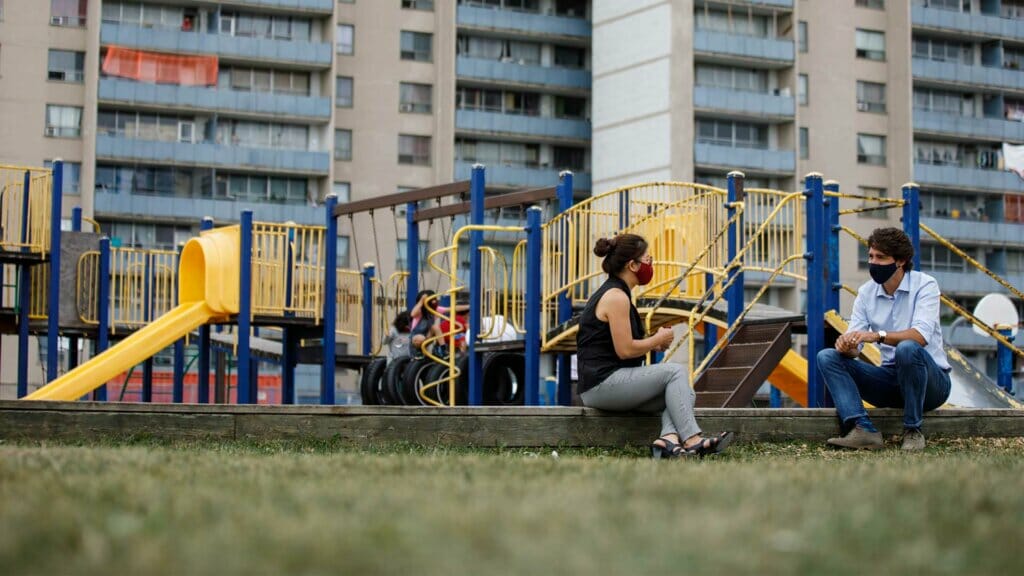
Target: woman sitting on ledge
(611, 348)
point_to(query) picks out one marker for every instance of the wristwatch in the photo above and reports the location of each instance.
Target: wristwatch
(881, 336)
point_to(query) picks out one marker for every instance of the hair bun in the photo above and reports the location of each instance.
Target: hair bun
(604, 246)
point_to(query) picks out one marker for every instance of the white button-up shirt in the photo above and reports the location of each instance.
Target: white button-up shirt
(915, 304)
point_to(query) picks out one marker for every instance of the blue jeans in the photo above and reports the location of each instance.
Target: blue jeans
(914, 382)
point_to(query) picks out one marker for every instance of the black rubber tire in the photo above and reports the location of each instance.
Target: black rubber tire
(414, 377)
(370, 381)
(504, 378)
(392, 380)
(440, 392)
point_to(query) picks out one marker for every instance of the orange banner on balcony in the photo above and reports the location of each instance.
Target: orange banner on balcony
(161, 68)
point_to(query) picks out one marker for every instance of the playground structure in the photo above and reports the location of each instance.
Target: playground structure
(254, 274)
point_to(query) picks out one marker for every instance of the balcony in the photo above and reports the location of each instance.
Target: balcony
(315, 6)
(970, 283)
(740, 102)
(307, 54)
(214, 99)
(975, 24)
(764, 160)
(995, 129)
(214, 155)
(522, 22)
(774, 53)
(521, 177)
(194, 209)
(955, 73)
(514, 73)
(498, 123)
(959, 178)
(975, 231)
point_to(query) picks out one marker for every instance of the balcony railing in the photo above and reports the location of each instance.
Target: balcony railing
(194, 209)
(975, 24)
(525, 22)
(515, 73)
(781, 52)
(752, 103)
(767, 160)
(995, 129)
(954, 72)
(521, 177)
(496, 122)
(961, 178)
(205, 154)
(964, 230)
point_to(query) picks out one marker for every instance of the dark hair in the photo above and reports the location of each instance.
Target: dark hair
(402, 321)
(619, 251)
(422, 293)
(893, 242)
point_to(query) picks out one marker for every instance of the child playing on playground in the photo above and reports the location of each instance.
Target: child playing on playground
(398, 338)
(423, 320)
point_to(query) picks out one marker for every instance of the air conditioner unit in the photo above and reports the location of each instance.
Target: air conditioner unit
(405, 107)
(862, 106)
(51, 131)
(57, 20)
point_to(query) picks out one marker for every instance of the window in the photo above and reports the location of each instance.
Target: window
(72, 175)
(68, 12)
(570, 107)
(870, 44)
(343, 92)
(415, 98)
(345, 41)
(498, 153)
(801, 35)
(733, 23)
(801, 89)
(571, 8)
(414, 150)
(567, 158)
(343, 257)
(805, 151)
(417, 46)
(872, 192)
(418, 4)
(944, 50)
(744, 79)
(66, 66)
(941, 259)
(569, 57)
(874, 4)
(343, 190)
(871, 149)
(402, 250)
(946, 102)
(343, 145)
(63, 121)
(733, 134)
(870, 97)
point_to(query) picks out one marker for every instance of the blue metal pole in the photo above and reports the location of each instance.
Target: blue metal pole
(833, 285)
(76, 226)
(774, 398)
(53, 309)
(816, 270)
(412, 255)
(147, 313)
(565, 201)
(103, 310)
(912, 219)
(1004, 360)
(710, 330)
(330, 304)
(288, 351)
(203, 369)
(178, 387)
(533, 297)
(734, 296)
(245, 385)
(368, 272)
(24, 293)
(477, 190)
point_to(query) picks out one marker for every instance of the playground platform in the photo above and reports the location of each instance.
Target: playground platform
(520, 426)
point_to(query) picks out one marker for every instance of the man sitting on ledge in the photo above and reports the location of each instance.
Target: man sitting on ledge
(899, 311)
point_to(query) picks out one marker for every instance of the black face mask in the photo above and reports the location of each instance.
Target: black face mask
(882, 272)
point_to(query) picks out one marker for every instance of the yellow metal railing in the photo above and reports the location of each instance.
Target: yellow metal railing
(282, 252)
(348, 319)
(88, 288)
(13, 220)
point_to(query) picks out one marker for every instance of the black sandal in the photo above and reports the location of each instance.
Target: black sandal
(710, 446)
(669, 450)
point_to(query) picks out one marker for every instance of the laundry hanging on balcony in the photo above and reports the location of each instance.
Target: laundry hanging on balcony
(160, 68)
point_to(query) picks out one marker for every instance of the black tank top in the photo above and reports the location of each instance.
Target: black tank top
(594, 347)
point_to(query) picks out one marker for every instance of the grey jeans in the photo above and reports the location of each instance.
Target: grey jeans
(659, 387)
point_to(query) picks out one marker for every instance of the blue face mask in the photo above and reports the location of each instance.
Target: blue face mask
(882, 272)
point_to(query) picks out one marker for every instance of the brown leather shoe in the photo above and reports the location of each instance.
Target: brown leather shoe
(859, 439)
(913, 440)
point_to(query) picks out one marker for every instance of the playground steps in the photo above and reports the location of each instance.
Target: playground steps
(733, 377)
(369, 426)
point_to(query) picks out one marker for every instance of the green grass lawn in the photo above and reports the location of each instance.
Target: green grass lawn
(150, 508)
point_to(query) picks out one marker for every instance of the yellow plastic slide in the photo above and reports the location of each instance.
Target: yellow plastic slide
(790, 376)
(207, 287)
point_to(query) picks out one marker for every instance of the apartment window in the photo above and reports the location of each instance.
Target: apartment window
(248, 134)
(263, 80)
(733, 134)
(872, 192)
(568, 158)
(744, 79)
(570, 107)
(63, 121)
(72, 175)
(951, 5)
(414, 150)
(417, 46)
(343, 92)
(733, 23)
(871, 149)
(345, 41)
(943, 101)
(343, 190)
(571, 8)
(68, 12)
(418, 4)
(805, 150)
(343, 253)
(876, 4)
(143, 126)
(265, 26)
(498, 153)
(942, 50)
(941, 259)
(870, 44)
(570, 57)
(415, 98)
(870, 97)
(66, 66)
(801, 35)
(801, 89)
(343, 145)
(402, 250)
(514, 51)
